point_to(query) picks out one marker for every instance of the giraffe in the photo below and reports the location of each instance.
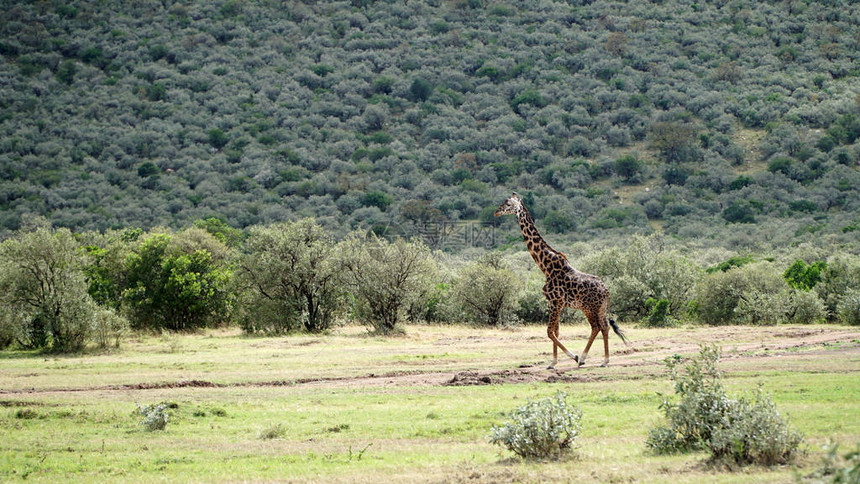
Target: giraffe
(565, 286)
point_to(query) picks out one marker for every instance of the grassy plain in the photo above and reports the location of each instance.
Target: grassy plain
(350, 407)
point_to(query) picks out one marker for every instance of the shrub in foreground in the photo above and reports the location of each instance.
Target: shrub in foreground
(748, 430)
(838, 468)
(539, 430)
(155, 416)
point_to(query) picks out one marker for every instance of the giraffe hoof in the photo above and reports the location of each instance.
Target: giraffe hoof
(581, 362)
(605, 364)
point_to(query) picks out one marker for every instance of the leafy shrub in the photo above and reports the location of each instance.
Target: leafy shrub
(744, 431)
(178, 282)
(628, 167)
(532, 307)
(43, 291)
(644, 269)
(486, 291)
(807, 307)
(804, 276)
(540, 430)
(753, 294)
(385, 277)
(848, 309)
(155, 416)
(755, 433)
(109, 327)
(659, 316)
(840, 278)
(735, 261)
(292, 278)
(839, 468)
(740, 211)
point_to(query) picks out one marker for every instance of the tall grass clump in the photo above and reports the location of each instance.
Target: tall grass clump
(742, 431)
(541, 429)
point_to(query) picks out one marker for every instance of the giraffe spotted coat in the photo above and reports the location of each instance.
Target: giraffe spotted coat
(565, 286)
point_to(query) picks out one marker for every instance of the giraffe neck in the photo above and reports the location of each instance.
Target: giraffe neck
(540, 251)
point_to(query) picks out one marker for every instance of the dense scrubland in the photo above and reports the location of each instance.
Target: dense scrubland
(730, 122)
(62, 291)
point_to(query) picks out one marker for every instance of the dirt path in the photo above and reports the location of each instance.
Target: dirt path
(640, 359)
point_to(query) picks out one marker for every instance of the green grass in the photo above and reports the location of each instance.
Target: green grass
(72, 418)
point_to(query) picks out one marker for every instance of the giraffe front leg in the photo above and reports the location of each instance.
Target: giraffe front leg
(594, 332)
(554, 357)
(552, 332)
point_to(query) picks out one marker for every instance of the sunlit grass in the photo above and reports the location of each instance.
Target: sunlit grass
(71, 418)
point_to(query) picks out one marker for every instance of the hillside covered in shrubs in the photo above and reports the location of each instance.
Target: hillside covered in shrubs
(730, 122)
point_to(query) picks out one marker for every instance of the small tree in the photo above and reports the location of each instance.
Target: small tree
(293, 278)
(486, 291)
(385, 276)
(628, 167)
(674, 140)
(43, 291)
(178, 282)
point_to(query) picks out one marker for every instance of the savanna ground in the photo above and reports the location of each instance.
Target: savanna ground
(351, 407)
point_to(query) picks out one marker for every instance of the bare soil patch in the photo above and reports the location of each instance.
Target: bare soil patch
(640, 359)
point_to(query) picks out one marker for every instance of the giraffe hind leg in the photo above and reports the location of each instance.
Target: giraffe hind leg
(605, 347)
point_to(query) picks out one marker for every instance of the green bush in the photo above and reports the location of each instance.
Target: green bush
(43, 292)
(644, 269)
(840, 278)
(109, 327)
(848, 309)
(804, 276)
(839, 468)
(743, 431)
(154, 417)
(486, 290)
(753, 294)
(178, 282)
(753, 432)
(532, 307)
(659, 316)
(291, 278)
(385, 278)
(541, 429)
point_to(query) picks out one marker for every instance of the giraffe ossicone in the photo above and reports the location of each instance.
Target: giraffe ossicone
(565, 286)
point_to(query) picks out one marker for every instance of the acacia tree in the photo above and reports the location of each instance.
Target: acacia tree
(42, 291)
(385, 277)
(292, 278)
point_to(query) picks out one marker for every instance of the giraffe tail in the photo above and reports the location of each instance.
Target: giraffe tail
(618, 330)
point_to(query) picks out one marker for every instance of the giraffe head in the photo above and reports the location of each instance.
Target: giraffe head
(513, 204)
